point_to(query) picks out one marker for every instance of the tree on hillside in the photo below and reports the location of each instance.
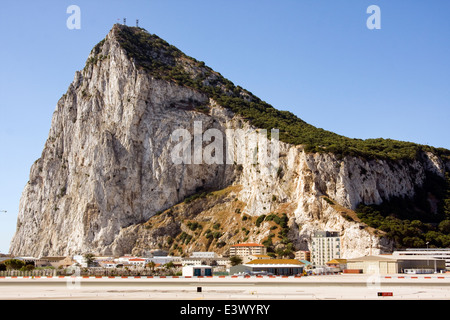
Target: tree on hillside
(235, 260)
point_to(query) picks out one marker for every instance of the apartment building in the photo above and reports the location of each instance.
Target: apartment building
(303, 255)
(247, 249)
(325, 246)
(206, 258)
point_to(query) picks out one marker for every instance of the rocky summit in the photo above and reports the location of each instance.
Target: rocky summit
(107, 182)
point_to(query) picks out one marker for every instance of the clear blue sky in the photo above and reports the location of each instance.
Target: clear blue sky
(315, 58)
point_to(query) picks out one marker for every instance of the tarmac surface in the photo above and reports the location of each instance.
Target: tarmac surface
(323, 287)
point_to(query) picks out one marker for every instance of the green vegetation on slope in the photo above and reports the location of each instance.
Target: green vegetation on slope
(408, 221)
(165, 61)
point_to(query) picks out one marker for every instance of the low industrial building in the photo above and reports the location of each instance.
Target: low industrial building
(388, 264)
(436, 253)
(55, 262)
(196, 271)
(421, 264)
(373, 264)
(286, 267)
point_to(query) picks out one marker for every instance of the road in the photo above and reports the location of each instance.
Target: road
(340, 287)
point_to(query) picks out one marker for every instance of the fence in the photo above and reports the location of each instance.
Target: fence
(32, 273)
(91, 272)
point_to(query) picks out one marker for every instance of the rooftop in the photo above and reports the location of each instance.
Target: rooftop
(373, 258)
(276, 261)
(53, 258)
(337, 261)
(136, 259)
(260, 256)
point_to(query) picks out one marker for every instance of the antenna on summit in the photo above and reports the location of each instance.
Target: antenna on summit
(137, 23)
(124, 21)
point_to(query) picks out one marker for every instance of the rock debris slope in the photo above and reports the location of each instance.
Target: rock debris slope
(106, 183)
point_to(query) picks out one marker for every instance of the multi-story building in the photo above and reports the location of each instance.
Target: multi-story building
(138, 262)
(326, 245)
(303, 255)
(206, 258)
(203, 255)
(247, 249)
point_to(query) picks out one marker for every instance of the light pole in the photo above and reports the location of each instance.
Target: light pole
(428, 261)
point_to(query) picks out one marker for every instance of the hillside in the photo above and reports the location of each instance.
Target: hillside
(164, 61)
(106, 182)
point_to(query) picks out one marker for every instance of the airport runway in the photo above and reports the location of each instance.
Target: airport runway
(339, 287)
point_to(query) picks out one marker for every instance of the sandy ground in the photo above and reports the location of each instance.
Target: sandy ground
(340, 287)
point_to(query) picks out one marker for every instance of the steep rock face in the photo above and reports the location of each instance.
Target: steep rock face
(304, 179)
(299, 189)
(107, 169)
(107, 163)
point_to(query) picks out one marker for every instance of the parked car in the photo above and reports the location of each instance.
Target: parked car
(261, 273)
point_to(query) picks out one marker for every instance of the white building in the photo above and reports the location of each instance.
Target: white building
(390, 264)
(197, 271)
(138, 262)
(124, 259)
(435, 253)
(203, 255)
(165, 259)
(107, 264)
(80, 260)
(326, 246)
(206, 258)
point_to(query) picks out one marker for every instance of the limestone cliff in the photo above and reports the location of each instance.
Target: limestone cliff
(106, 182)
